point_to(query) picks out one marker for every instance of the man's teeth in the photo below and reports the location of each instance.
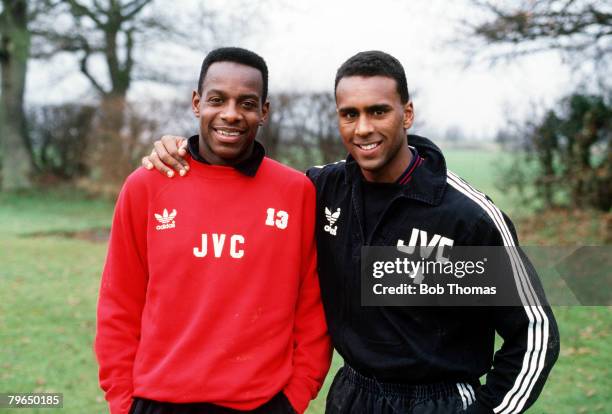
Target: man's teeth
(369, 146)
(228, 134)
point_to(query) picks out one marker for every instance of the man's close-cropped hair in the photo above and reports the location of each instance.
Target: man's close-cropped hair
(236, 55)
(375, 63)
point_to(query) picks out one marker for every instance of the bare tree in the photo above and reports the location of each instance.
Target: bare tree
(580, 29)
(14, 51)
(59, 135)
(320, 125)
(106, 29)
(278, 127)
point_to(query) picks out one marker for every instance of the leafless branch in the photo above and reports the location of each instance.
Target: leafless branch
(571, 27)
(79, 10)
(134, 7)
(89, 76)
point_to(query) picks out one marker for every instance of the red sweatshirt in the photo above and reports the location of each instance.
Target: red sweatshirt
(210, 291)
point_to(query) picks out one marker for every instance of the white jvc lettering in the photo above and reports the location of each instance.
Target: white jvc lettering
(218, 242)
(426, 246)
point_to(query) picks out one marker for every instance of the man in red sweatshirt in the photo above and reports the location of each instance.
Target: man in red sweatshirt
(209, 301)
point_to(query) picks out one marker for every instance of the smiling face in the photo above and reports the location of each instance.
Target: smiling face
(230, 110)
(373, 121)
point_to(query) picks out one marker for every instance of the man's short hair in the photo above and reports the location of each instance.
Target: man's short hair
(375, 63)
(236, 55)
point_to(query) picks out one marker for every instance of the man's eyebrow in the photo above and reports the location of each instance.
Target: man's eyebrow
(249, 96)
(345, 109)
(240, 97)
(378, 107)
(215, 92)
(371, 108)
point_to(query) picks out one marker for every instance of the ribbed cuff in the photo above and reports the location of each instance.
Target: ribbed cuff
(297, 397)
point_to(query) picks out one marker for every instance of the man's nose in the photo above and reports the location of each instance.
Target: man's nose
(230, 113)
(364, 127)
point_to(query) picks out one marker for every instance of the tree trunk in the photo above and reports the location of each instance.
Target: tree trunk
(17, 164)
(110, 153)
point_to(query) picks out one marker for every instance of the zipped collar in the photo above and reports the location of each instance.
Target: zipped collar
(428, 181)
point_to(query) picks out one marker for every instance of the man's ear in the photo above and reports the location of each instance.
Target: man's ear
(265, 110)
(195, 103)
(408, 115)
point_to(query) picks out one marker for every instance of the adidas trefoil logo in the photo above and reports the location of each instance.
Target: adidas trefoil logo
(166, 220)
(332, 218)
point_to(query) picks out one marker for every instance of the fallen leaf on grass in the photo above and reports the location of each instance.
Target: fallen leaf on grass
(587, 333)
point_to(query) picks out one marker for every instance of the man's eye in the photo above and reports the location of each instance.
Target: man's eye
(215, 100)
(350, 115)
(249, 105)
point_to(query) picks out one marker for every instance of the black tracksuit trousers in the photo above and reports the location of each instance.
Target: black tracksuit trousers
(353, 393)
(279, 404)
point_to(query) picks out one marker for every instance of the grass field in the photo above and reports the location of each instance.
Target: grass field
(50, 264)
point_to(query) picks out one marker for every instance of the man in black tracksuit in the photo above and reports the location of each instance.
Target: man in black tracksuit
(408, 359)
(450, 347)
(425, 360)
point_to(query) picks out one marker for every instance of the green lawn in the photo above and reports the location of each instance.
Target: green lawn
(482, 170)
(49, 284)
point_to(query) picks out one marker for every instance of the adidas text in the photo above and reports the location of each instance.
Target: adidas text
(165, 226)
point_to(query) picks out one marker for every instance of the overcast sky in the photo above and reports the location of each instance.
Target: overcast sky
(304, 45)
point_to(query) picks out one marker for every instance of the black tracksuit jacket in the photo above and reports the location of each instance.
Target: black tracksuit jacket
(427, 345)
